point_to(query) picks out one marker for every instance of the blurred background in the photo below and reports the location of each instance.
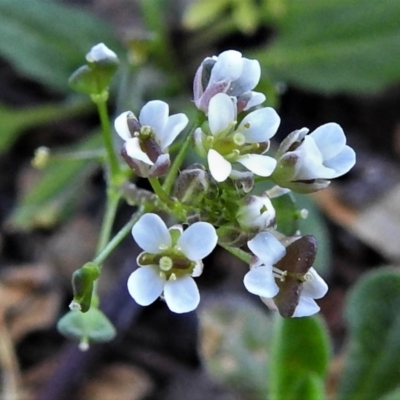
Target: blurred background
(322, 61)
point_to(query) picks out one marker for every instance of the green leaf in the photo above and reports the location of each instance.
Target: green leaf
(372, 367)
(57, 189)
(287, 216)
(336, 45)
(235, 337)
(395, 395)
(202, 12)
(14, 121)
(315, 225)
(299, 358)
(47, 40)
(311, 387)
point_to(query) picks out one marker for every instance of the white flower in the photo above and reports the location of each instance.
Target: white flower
(307, 162)
(147, 138)
(228, 144)
(101, 52)
(169, 261)
(228, 73)
(257, 213)
(260, 280)
(293, 289)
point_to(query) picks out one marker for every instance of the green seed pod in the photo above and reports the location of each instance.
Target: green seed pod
(82, 284)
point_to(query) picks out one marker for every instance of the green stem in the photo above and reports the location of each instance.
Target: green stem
(112, 160)
(159, 191)
(108, 220)
(241, 254)
(117, 239)
(173, 171)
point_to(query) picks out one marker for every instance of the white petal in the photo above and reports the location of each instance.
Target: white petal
(133, 149)
(175, 125)
(343, 162)
(145, 285)
(307, 306)
(198, 241)
(267, 248)
(260, 125)
(261, 281)
(316, 287)
(228, 66)
(248, 79)
(258, 164)
(256, 99)
(269, 303)
(182, 294)
(198, 269)
(221, 113)
(219, 167)
(150, 232)
(310, 164)
(121, 125)
(100, 52)
(330, 139)
(154, 114)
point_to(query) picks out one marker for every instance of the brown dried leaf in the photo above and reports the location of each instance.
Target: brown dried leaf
(29, 299)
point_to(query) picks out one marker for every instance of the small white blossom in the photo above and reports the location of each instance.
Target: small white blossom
(228, 73)
(227, 144)
(257, 213)
(147, 138)
(307, 162)
(101, 52)
(169, 261)
(282, 290)
(260, 280)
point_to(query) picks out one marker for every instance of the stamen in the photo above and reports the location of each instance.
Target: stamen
(172, 277)
(281, 275)
(239, 138)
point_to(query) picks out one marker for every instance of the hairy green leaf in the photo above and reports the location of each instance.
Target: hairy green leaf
(372, 368)
(56, 190)
(299, 359)
(336, 45)
(47, 40)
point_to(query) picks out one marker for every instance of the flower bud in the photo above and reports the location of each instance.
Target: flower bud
(256, 213)
(95, 77)
(192, 184)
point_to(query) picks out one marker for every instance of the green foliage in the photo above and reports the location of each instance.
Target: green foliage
(372, 368)
(236, 334)
(315, 225)
(336, 45)
(299, 359)
(52, 196)
(395, 395)
(287, 215)
(14, 121)
(47, 40)
(323, 45)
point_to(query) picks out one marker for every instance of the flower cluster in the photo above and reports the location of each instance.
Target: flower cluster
(218, 200)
